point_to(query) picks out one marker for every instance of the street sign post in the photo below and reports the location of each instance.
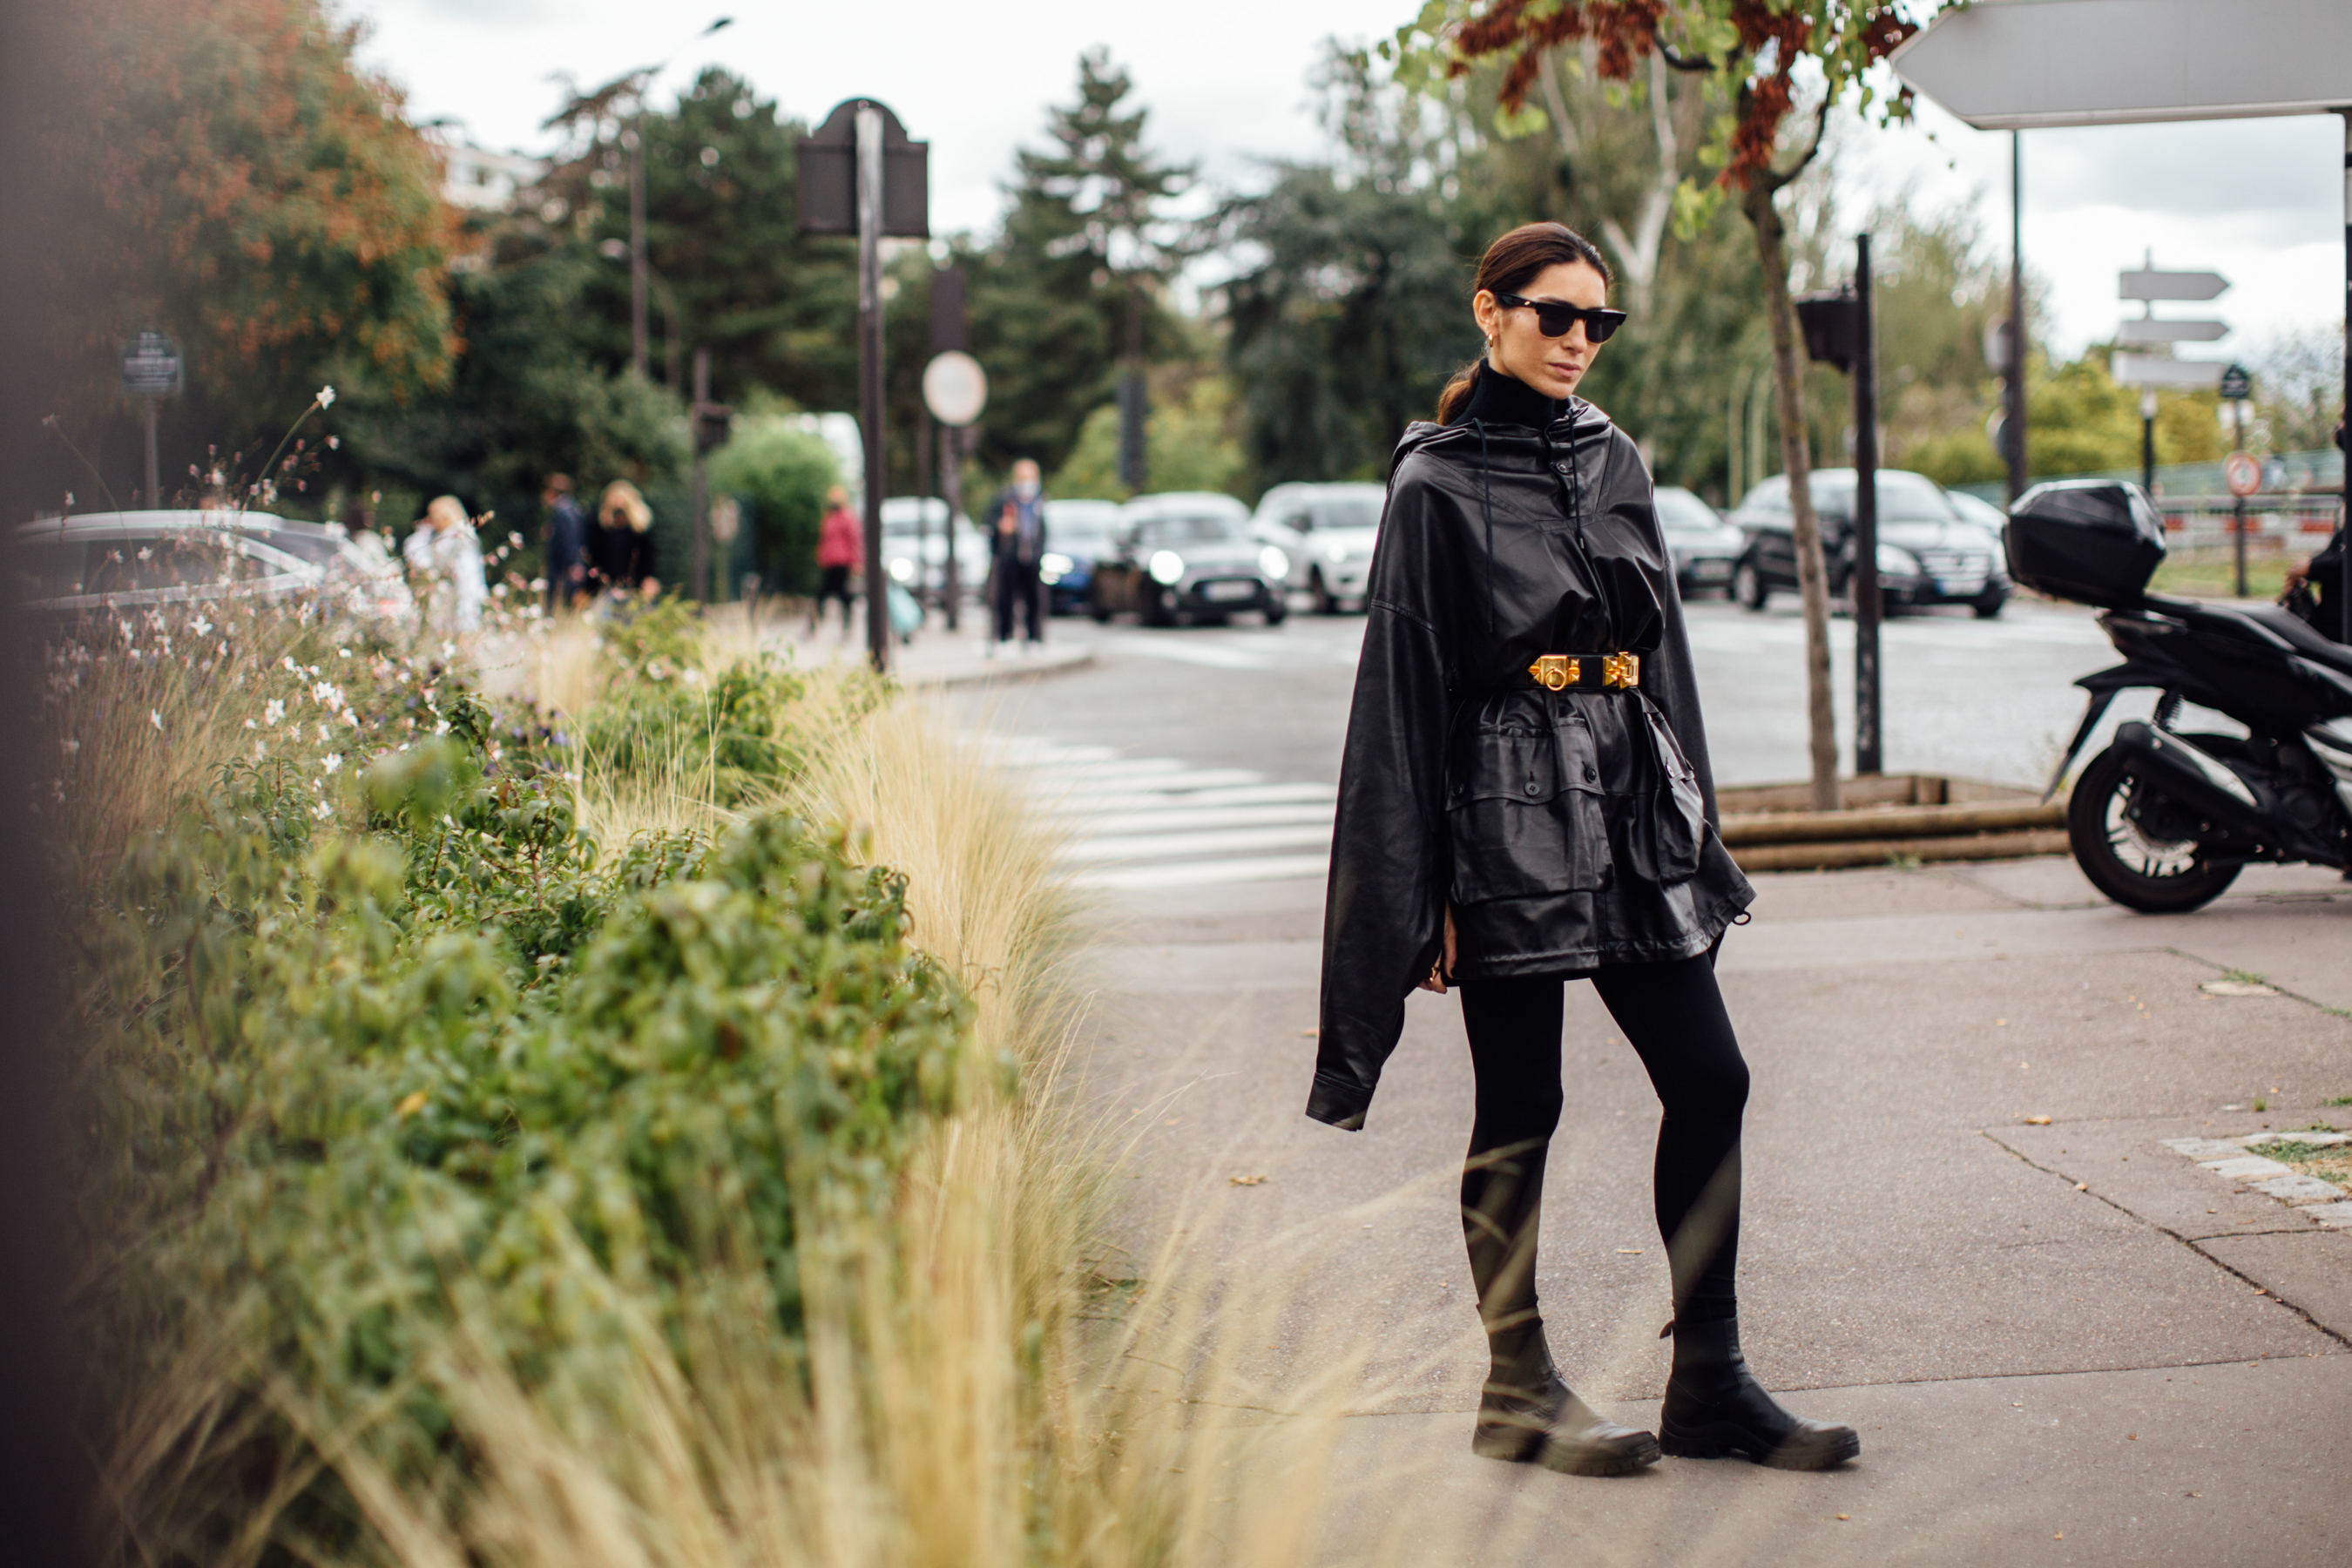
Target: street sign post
(1840, 328)
(2236, 384)
(2150, 284)
(150, 373)
(859, 174)
(951, 333)
(2008, 65)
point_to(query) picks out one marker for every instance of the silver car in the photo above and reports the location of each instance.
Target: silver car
(124, 559)
(1328, 531)
(910, 522)
(1705, 548)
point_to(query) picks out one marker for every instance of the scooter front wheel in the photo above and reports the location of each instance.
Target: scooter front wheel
(2141, 870)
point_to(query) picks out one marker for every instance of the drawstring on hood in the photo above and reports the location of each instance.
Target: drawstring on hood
(1502, 398)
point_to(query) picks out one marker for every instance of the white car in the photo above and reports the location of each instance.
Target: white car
(909, 521)
(1328, 531)
(125, 560)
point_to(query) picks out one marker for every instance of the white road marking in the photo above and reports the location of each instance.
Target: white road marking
(1159, 846)
(1207, 873)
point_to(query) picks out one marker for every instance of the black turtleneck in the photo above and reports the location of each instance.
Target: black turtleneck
(1500, 399)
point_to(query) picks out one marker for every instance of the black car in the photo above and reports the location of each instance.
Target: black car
(1189, 554)
(1927, 553)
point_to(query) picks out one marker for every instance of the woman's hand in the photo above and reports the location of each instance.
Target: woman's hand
(1442, 970)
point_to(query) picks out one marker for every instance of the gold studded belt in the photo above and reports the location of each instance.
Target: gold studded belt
(1587, 671)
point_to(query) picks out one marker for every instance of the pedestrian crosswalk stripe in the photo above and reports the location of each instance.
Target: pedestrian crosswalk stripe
(1208, 873)
(1139, 823)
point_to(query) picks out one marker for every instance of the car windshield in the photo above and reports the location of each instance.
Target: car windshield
(1901, 498)
(1344, 511)
(1679, 511)
(1188, 530)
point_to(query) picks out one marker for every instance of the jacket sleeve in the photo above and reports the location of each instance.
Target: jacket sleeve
(1384, 910)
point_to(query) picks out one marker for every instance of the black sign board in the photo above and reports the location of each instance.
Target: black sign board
(828, 176)
(150, 366)
(948, 329)
(1833, 328)
(2236, 384)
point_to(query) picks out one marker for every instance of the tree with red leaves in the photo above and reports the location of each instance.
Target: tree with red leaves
(1758, 46)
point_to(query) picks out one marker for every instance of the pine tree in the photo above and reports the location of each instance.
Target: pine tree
(1076, 281)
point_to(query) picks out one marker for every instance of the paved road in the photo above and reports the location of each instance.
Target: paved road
(2063, 1342)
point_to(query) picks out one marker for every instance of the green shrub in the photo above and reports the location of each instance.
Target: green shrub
(356, 1085)
(784, 471)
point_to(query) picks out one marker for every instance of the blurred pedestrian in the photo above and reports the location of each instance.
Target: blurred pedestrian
(567, 543)
(840, 551)
(1524, 800)
(446, 560)
(625, 542)
(1017, 545)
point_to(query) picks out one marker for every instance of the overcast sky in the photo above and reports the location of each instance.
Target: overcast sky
(2258, 200)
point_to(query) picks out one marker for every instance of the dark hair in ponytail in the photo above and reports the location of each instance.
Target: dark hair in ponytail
(1510, 264)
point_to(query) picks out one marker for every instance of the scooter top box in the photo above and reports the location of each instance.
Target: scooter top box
(2096, 541)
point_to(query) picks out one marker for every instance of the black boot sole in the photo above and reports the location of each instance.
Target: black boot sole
(1721, 1439)
(1522, 1445)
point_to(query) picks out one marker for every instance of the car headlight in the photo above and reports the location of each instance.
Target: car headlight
(1898, 562)
(903, 570)
(1273, 561)
(1056, 563)
(1165, 567)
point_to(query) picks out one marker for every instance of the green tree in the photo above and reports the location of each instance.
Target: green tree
(784, 471)
(252, 191)
(1189, 444)
(1076, 279)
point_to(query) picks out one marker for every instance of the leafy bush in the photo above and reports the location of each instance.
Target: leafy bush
(354, 1080)
(784, 471)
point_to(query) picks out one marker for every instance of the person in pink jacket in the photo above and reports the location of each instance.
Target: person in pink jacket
(840, 549)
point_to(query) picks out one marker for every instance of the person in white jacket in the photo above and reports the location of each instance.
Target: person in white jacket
(444, 553)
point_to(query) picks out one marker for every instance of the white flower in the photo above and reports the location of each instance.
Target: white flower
(156, 719)
(202, 627)
(248, 723)
(326, 397)
(332, 761)
(291, 668)
(274, 712)
(342, 653)
(325, 734)
(146, 553)
(324, 812)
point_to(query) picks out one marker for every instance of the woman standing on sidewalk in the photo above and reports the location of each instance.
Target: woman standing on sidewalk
(1525, 800)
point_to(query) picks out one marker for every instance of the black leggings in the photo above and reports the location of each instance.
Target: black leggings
(1674, 1015)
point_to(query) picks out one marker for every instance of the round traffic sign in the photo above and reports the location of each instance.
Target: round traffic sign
(2242, 472)
(955, 389)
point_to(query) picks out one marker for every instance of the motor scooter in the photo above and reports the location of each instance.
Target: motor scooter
(2165, 818)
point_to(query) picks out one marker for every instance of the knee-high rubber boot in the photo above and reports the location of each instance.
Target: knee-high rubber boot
(1715, 1407)
(1528, 1414)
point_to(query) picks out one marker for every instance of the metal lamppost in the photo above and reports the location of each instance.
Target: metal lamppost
(859, 174)
(150, 373)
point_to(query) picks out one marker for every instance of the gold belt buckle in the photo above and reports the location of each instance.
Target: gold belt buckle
(1621, 671)
(1554, 671)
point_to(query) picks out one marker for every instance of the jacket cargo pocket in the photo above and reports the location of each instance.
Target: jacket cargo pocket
(1669, 834)
(1524, 811)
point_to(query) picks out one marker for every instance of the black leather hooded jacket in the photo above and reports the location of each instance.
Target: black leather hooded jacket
(1568, 829)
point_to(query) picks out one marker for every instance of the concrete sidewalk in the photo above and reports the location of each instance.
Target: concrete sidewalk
(937, 656)
(2064, 1340)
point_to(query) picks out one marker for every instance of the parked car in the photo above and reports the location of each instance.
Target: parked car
(1926, 555)
(1983, 514)
(1078, 534)
(1328, 531)
(907, 520)
(1189, 553)
(1705, 548)
(124, 559)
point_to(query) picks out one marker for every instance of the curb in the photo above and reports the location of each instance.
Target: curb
(1012, 672)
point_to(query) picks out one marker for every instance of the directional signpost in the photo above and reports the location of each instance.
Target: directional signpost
(150, 373)
(2012, 64)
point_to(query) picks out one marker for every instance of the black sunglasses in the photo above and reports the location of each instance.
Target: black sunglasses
(1553, 319)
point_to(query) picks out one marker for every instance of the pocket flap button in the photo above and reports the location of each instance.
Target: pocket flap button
(1531, 787)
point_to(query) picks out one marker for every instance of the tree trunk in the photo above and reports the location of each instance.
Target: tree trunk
(1813, 573)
